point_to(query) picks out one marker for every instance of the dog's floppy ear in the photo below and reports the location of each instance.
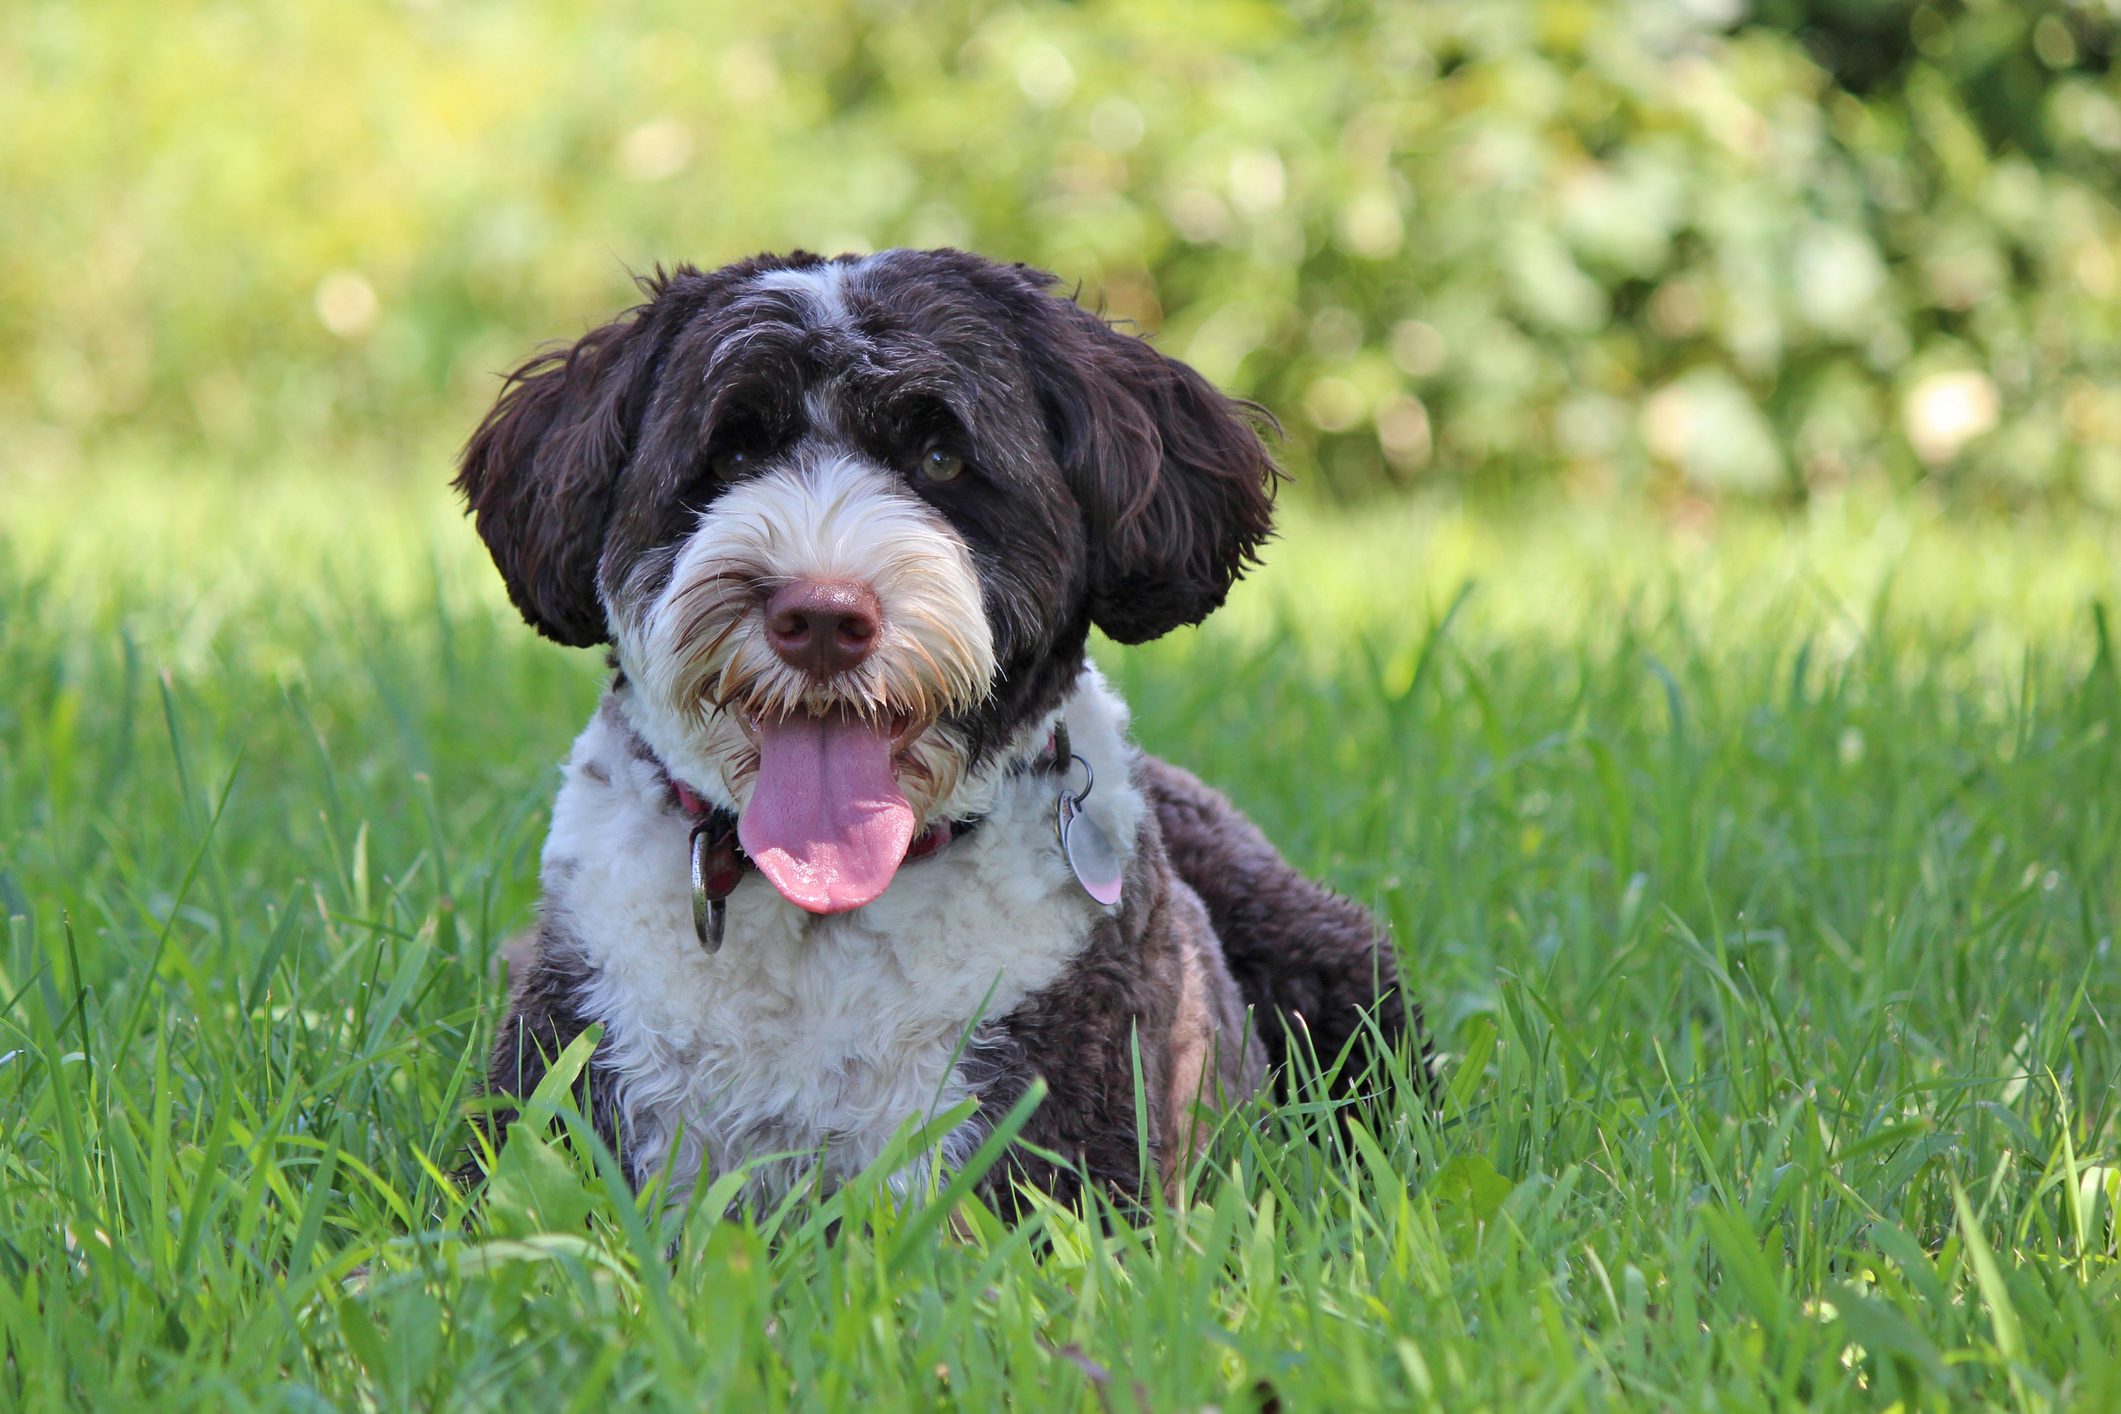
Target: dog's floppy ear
(539, 475)
(1176, 488)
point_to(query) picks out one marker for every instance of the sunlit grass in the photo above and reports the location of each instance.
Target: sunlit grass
(1760, 878)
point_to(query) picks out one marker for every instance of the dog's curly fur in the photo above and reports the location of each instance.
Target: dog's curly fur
(748, 427)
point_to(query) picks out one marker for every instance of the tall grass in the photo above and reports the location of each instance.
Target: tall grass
(1760, 880)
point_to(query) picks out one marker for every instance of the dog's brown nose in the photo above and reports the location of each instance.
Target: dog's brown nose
(823, 626)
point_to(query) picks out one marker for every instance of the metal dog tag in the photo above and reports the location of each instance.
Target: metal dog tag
(1089, 852)
(708, 914)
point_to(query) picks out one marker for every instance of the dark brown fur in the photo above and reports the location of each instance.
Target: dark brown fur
(544, 1019)
(1311, 963)
(1120, 998)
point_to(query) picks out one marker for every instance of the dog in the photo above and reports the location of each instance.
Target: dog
(856, 834)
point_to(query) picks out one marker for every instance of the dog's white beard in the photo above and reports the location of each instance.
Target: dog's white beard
(697, 653)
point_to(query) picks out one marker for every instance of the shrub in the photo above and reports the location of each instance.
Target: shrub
(1638, 246)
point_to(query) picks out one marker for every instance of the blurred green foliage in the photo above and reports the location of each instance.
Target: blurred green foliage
(1639, 246)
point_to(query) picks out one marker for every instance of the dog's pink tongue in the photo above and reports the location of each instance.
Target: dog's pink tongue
(827, 823)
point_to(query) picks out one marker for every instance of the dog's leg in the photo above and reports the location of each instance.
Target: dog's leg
(1216, 1060)
(544, 1018)
(1310, 963)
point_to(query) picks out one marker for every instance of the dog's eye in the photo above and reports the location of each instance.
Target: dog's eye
(939, 465)
(730, 466)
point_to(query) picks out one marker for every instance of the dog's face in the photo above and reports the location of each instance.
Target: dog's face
(846, 524)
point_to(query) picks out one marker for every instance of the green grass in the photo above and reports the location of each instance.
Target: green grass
(1760, 880)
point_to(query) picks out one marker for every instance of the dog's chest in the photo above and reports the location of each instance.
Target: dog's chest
(801, 1032)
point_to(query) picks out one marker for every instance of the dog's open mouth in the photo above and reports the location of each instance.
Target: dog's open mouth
(827, 823)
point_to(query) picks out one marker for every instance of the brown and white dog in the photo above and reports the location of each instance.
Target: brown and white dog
(846, 525)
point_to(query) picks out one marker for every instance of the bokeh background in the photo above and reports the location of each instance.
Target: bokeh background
(1652, 250)
(1692, 628)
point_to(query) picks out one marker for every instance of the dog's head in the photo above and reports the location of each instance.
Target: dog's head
(847, 522)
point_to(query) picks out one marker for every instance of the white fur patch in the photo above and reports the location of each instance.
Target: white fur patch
(815, 1037)
(824, 285)
(698, 656)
